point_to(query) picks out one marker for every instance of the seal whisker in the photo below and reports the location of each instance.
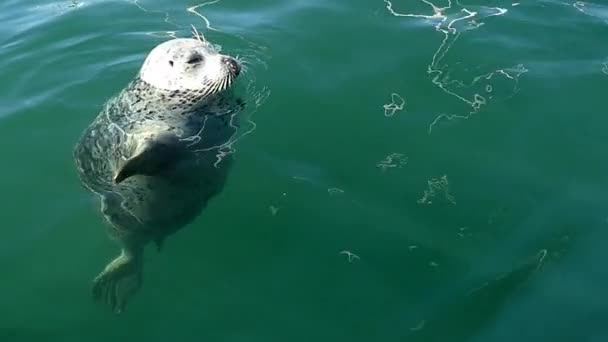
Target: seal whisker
(243, 62)
(198, 35)
(214, 88)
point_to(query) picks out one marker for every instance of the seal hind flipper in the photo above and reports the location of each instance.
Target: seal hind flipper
(120, 279)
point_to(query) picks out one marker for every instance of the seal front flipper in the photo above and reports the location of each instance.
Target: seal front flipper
(155, 155)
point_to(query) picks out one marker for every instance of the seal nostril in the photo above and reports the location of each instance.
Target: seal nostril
(171, 63)
(233, 65)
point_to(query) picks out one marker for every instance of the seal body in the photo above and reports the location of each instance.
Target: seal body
(155, 153)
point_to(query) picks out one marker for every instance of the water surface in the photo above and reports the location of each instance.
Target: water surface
(412, 173)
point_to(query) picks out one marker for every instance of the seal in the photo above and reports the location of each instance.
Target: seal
(155, 154)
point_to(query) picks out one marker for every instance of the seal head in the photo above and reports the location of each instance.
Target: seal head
(189, 64)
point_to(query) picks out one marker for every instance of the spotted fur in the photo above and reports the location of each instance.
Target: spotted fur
(141, 204)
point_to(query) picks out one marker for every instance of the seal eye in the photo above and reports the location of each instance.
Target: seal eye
(195, 59)
(171, 63)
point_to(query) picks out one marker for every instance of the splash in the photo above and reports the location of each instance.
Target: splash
(393, 160)
(350, 255)
(335, 191)
(167, 17)
(437, 186)
(592, 10)
(397, 104)
(419, 326)
(273, 210)
(256, 98)
(452, 21)
(194, 10)
(596, 11)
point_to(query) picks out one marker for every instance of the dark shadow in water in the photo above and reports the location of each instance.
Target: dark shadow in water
(467, 315)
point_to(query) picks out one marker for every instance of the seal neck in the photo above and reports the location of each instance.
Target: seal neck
(147, 99)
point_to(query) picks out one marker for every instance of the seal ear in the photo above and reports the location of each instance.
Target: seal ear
(152, 158)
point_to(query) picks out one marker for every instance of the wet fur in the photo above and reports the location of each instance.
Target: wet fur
(152, 207)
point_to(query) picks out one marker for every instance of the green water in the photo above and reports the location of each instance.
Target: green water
(477, 211)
